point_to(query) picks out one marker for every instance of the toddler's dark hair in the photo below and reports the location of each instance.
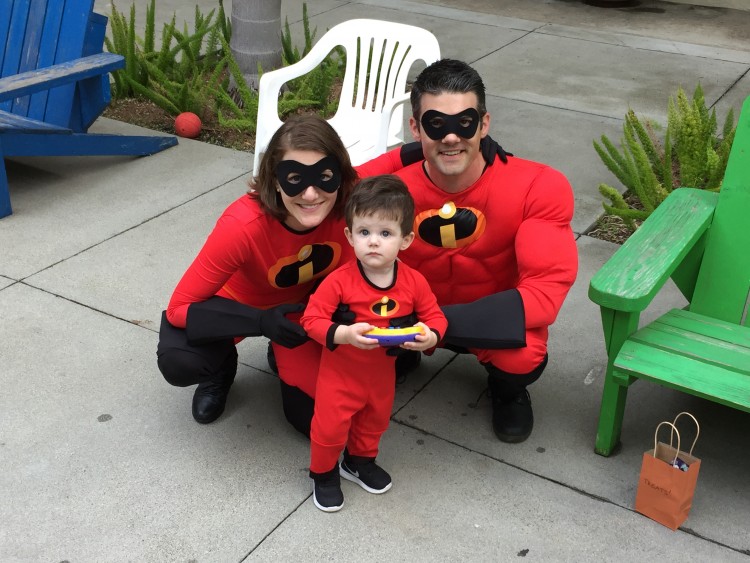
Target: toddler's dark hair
(386, 196)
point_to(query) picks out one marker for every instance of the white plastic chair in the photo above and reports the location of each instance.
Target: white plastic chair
(379, 55)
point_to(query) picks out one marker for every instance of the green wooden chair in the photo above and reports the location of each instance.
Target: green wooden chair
(702, 241)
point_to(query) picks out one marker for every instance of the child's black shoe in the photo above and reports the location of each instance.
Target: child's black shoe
(367, 474)
(327, 493)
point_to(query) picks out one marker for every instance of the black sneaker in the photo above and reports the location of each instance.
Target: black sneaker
(512, 420)
(327, 493)
(368, 475)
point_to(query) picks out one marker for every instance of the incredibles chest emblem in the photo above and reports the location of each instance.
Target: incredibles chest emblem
(450, 226)
(385, 307)
(311, 262)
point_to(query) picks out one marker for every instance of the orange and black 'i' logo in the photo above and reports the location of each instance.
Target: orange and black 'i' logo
(311, 262)
(450, 226)
(385, 307)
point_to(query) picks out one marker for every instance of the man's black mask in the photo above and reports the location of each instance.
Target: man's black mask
(438, 125)
(295, 177)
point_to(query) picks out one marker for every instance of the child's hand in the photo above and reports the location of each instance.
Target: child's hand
(353, 334)
(424, 341)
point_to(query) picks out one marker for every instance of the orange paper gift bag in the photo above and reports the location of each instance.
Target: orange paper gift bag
(668, 479)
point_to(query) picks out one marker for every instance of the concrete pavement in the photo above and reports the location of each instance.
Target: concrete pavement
(103, 462)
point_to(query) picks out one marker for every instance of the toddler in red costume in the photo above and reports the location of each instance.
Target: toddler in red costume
(356, 379)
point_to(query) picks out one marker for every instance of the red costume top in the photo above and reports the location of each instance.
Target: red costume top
(355, 387)
(253, 258)
(409, 293)
(510, 229)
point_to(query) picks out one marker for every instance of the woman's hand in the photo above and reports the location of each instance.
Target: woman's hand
(354, 335)
(424, 341)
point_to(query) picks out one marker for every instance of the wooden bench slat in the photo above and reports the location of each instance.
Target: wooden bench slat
(63, 73)
(705, 380)
(635, 273)
(17, 124)
(37, 103)
(710, 326)
(700, 338)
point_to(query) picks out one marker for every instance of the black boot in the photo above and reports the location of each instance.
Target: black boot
(512, 415)
(210, 397)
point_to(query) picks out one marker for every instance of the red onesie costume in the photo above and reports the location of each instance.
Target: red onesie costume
(253, 258)
(509, 230)
(356, 387)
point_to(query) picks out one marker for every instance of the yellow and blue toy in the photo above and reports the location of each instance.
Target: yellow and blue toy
(393, 336)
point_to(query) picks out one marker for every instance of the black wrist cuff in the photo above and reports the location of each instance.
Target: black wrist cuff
(493, 322)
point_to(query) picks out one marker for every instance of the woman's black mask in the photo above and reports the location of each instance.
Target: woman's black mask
(439, 125)
(295, 177)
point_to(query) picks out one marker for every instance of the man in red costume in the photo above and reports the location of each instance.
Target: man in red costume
(493, 240)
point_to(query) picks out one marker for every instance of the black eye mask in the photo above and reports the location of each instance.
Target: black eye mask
(308, 176)
(438, 125)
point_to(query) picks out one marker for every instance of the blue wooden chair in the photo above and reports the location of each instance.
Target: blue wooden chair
(54, 83)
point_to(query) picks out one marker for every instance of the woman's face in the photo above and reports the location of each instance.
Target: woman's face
(308, 208)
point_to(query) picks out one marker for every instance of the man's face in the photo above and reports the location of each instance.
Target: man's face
(453, 162)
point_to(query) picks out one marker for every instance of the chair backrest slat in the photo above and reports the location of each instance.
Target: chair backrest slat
(13, 44)
(37, 34)
(723, 287)
(44, 28)
(69, 47)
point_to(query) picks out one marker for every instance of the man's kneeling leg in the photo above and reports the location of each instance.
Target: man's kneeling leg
(298, 407)
(512, 415)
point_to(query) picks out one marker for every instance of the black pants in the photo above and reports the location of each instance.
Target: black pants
(183, 364)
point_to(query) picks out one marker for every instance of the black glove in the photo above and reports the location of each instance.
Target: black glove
(277, 328)
(219, 318)
(490, 148)
(411, 153)
(343, 316)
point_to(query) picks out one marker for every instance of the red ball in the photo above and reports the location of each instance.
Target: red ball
(187, 124)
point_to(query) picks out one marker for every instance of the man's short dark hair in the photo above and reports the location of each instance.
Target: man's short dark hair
(386, 196)
(447, 76)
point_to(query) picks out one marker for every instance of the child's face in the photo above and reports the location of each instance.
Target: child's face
(377, 241)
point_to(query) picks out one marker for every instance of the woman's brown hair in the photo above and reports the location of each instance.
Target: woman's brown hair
(303, 133)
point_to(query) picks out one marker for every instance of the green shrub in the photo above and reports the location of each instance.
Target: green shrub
(312, 90)
(186, 71)
(690, 154)
(190, 70)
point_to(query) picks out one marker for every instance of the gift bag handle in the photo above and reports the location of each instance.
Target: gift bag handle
(674, 431)
(697, 429)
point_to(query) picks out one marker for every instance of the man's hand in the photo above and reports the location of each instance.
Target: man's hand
(411, 153)
(490, 149)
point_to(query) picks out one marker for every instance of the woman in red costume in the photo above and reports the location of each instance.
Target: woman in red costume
(256, 269)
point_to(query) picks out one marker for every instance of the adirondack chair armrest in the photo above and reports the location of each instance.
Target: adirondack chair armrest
(631, 278)
(33, 81)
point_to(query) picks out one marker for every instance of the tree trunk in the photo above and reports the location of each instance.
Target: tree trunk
(256, 36)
